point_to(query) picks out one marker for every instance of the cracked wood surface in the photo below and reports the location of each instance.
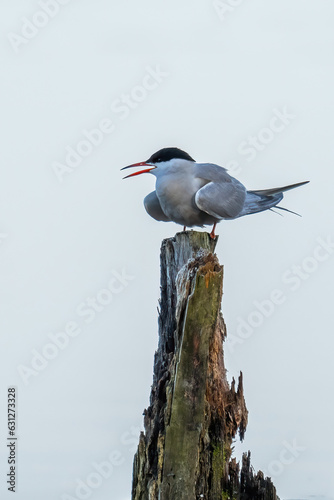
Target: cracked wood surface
(193, 416)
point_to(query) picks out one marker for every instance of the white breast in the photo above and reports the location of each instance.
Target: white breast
(176, 187)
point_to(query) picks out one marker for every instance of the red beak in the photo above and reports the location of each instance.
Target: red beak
(140, 164)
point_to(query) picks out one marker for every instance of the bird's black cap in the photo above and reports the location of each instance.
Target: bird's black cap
(167, 154)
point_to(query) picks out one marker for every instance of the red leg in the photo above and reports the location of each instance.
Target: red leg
(184, 228)
(212, 234)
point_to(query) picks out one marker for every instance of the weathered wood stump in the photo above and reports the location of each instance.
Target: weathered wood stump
(185, 452)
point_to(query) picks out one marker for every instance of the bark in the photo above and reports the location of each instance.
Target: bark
(185, 452)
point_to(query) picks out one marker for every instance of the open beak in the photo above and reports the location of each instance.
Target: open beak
(140, 164)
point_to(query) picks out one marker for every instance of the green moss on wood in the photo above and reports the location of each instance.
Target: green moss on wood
(217, 469)
(227, 496)
(188, 406)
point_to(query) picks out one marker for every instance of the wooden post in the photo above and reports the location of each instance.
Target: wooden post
(185, 452)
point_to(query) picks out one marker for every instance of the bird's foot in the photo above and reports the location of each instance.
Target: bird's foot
(184, 228)
(213, 234)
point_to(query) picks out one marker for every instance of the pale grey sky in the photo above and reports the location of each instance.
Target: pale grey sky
(247, 85)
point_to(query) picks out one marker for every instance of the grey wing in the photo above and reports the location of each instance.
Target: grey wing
(153, 207)
(222, 196)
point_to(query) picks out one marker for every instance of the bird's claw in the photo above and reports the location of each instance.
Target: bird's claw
(213, 234)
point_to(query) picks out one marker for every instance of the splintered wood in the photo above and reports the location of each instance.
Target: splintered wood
(185, 452)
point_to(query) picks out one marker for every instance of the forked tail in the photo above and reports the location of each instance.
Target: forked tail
(264, 199)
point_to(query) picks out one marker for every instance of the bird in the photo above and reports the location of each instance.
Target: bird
(199, 194)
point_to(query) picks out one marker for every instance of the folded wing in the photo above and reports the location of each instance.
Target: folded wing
(153, 207)
(222, 196)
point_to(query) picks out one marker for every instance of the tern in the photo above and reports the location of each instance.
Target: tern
(199, 194)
